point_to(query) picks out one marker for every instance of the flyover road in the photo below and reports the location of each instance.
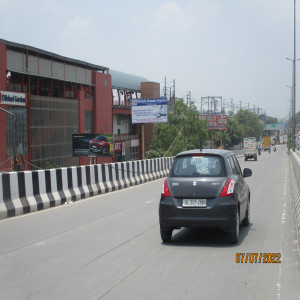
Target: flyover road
(109, 247)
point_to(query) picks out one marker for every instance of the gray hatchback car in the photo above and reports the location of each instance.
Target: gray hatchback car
(205, 188)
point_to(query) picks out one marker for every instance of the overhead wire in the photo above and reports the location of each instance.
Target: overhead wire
(178, 135)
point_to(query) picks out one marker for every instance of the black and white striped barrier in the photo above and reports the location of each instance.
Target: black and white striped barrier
(295, 178)
(29, 191)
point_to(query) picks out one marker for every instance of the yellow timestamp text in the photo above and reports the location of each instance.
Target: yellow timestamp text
(257, 258)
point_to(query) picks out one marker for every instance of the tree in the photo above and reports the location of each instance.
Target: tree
(271, 120)
(185, 130)
(234, 134)
(249, 123)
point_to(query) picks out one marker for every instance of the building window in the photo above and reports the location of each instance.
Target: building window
(89, 121)
(89, 92)
(45, 87)
(132, 128)
(115, 97)
(17, 83)
(33, 85)
(57, 88)
(69, 90)
(17, 131)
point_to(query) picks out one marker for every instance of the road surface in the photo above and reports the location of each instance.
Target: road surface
(109, 247)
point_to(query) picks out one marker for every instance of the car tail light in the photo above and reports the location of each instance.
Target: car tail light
(165, 189)
(228, 188)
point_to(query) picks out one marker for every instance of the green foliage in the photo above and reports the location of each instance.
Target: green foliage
(234, 134)
(49, 166)
(249, 123)
(185, 130)
(271, 120)
(154, 154)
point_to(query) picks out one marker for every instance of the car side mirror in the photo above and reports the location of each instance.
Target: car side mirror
(247, 172)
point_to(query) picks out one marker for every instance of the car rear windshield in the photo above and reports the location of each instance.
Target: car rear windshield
(198, 166)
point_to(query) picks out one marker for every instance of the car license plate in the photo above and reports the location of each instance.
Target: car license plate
(194, 203)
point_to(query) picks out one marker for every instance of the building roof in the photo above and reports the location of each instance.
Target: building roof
(121, 80)
(53, 55)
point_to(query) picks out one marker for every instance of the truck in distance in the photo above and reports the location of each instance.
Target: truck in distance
(267, 143)
(250, 148)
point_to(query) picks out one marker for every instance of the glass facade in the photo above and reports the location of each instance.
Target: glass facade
(17, 131)
(53, 121)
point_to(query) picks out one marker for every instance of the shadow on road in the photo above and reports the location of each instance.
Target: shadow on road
(205, 237)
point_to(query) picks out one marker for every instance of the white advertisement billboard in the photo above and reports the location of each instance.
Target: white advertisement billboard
(149, 110)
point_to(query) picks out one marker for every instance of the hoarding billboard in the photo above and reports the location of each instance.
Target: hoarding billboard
(11, 98)
(218, 122)
(279, 126)
(92, 144)
(149, 110)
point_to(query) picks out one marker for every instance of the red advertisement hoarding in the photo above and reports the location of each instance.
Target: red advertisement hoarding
(218, 122)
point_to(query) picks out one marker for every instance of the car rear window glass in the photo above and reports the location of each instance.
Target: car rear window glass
(237, 166)
(233, 166)
(198, 166)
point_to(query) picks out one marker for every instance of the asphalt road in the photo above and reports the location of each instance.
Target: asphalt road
(109, 247)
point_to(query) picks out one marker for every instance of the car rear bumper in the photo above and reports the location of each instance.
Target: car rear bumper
(218, 213)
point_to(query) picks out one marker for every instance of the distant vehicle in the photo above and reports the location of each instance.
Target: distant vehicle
(100, 144)
(250, 148)
(267, 143)
(205, 188)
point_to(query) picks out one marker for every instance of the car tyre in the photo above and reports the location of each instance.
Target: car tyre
(234, 234)
(166, 235)
(246, 220)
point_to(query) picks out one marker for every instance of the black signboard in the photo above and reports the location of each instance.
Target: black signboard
(92, 144)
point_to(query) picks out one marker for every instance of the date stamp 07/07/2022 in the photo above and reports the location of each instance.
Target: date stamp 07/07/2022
(258, 258)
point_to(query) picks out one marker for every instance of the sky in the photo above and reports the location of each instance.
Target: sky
(234, 49)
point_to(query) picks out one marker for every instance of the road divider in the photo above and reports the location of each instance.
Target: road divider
(295, 182)
(29, 191)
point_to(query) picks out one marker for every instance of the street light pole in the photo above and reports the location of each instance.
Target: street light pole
(294, 79)
(294, 85)
(290, 109)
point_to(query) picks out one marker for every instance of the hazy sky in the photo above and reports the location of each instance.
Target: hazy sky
(230, 48)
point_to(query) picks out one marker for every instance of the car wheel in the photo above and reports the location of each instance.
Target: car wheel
(166, 235)
(246, 220)
(234, 234)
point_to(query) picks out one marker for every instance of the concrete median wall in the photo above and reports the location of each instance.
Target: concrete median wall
(295, 182)
(29, 191)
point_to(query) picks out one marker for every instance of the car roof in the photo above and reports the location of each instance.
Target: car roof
(220, 152)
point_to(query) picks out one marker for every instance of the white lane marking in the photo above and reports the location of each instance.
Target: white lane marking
(283, 217)
(40, 243)
(147, 202)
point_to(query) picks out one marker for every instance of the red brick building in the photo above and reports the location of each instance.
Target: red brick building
(45, 98)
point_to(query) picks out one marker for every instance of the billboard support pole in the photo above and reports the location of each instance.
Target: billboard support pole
(143, 141)
(221, 139)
